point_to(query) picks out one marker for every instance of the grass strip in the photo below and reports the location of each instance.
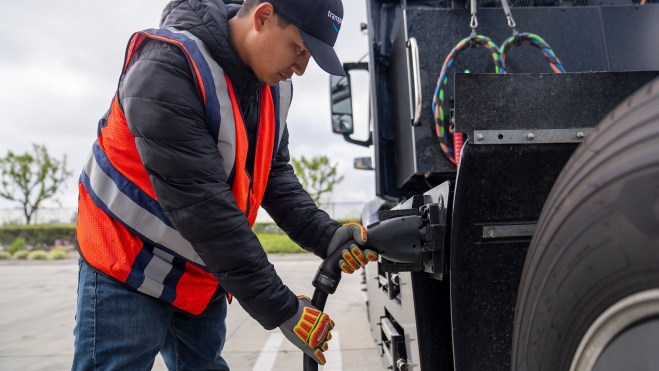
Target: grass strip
(278, 244)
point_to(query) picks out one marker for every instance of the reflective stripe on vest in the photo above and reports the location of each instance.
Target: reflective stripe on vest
(223, 126)
(109, 190)
(122, 229)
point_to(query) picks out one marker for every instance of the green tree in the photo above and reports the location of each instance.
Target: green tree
(317, 175)
(31, 178)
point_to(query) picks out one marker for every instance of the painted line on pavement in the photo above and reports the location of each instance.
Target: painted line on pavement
(333, 354)
(269, 352)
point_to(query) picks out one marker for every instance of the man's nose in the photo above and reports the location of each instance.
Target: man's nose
(301, 63)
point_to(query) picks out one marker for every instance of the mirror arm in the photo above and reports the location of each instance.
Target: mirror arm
(363, 143)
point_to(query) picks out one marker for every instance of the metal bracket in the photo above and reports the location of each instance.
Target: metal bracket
(393, 267)
(510, 230)
(435, 233)
(393, 343)
(531, 136)
(393, 286)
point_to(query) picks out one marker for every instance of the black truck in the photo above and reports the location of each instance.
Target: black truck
(527, 136)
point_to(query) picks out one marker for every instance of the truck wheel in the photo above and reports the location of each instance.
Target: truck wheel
(589, 294)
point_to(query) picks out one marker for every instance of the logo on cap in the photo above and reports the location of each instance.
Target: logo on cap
(335, 18)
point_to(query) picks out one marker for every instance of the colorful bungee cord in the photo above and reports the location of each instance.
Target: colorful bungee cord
(538, 42)
(450, 142)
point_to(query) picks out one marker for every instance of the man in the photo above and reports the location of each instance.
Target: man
(194, 142)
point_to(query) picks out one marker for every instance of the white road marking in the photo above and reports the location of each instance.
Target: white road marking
(333, 354)
(269, 352)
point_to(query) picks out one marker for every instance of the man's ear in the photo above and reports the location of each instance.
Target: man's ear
(261, 14)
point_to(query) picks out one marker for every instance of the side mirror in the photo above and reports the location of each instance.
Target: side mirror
(341, 102)
(341, 105)
(363, 163)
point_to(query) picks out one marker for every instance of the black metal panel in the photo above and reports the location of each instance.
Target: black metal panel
(383, 125)
(385, 22)
(508, 184)
(432, 300)
(631, 37)
(595, 38)
(579, 43)
(574, 34)
(496, 184)
(541, 101)
(433, 317)
(416, 152)
(399, 76)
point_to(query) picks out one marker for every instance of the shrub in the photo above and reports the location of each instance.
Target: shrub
(56, 254)
(48, 234)
(278, 244)
(37, 255)
(21, 254)
(17, 244)
(4, 255)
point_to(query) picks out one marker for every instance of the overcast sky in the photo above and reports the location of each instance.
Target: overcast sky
(59, 66)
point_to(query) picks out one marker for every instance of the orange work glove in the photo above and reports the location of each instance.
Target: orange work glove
(354, 257)
(309, 329)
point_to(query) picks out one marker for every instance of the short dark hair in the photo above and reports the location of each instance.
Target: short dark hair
(249, 5)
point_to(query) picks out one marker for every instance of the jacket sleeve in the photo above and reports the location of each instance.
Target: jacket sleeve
(291, 207)
(165, 113)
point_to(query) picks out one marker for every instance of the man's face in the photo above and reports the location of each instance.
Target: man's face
(279, 52)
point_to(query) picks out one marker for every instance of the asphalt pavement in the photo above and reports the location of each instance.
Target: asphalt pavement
(37, 310)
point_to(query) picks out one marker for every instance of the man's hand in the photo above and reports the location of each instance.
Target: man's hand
(309, 329)
(353, 258)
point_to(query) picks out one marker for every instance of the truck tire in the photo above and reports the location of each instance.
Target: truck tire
(591, 276)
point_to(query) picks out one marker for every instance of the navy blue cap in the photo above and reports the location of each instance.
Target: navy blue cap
(319, 22)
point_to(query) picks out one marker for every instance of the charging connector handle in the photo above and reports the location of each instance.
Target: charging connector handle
(328, 275)
(397, 239)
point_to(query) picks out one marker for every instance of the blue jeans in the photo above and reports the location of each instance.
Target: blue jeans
(120, 329)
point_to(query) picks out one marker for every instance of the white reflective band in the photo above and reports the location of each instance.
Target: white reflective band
(134, 216)
(226, 138)
(155, 273)
(164, 255)
(285, 97)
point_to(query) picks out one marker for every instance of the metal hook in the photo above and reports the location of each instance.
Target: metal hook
(511, 21)
(474, 22)
(509, 16)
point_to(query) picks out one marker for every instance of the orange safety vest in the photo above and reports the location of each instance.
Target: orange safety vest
(122, 230)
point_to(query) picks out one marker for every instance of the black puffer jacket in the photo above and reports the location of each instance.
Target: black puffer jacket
(166, 115)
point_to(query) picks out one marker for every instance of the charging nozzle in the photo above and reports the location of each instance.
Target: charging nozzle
(412, 239)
